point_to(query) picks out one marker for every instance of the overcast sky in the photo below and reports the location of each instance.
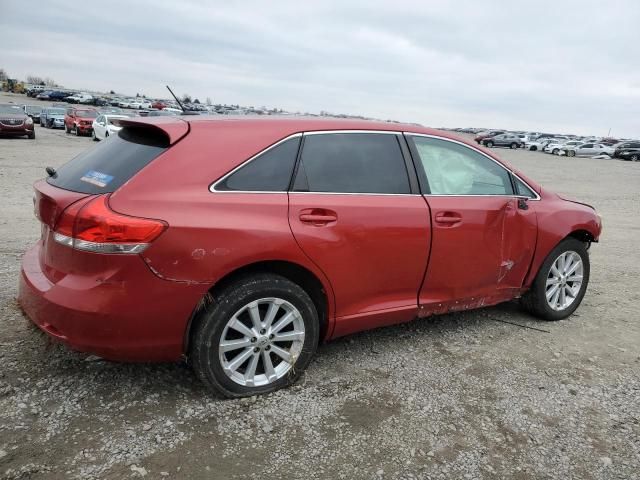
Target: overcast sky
(559, 65)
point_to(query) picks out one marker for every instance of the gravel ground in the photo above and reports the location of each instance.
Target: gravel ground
(457, 396)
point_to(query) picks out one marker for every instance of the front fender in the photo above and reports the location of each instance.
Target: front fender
(558, 219)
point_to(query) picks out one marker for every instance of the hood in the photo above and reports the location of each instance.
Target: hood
(14, 116)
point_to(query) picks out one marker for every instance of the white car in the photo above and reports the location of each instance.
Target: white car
(80, 98)
(557, 147)
(103, 126)
(589, 150)
(541, 143)
(126, 102)
(140, 104)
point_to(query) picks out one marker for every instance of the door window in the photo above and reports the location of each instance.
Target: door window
(352, 163)
(449, 168)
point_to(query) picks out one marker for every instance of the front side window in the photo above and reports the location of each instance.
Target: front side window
(352, 163)
(522, 189)
(450, 168)
(269, 172)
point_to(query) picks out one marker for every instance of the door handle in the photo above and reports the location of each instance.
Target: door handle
(448, 218)
(318, 216)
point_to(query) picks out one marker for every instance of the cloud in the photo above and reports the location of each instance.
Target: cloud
(564, 66)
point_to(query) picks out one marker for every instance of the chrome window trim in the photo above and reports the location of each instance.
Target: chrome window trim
(212, 187)
(471, 147)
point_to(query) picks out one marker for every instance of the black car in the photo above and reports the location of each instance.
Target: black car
(33, 111)
(627, 151)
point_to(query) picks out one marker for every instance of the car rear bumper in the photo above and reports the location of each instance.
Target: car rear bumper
(141, 319)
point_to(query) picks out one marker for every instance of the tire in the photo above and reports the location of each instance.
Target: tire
(489, 144)
(535, 300)
(93, 135)
(634, 158)
(513, 146)
(571, 153)
(533, 148)
(212, 326)
(77, 131)
(67, 129)
(32, 135)
(554, 151)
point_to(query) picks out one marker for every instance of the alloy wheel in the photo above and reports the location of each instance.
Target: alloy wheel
(564, 280)
(261, 342)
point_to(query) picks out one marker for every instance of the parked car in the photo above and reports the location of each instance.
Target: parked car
(140, 103)
(35, 90)
(588, 150)
(52, 117)
(103, 126)
(79, 120)
(14, 122)
(490, 133)
(151, 251)
(125, 102)
(556, 146)
(33, 111)
(53, 95)
(541, 142)
(158, 105)
(80, 98)
(627, 151)
(503, 140)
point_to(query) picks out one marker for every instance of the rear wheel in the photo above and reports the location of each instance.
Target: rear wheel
(513, 145)
(93, 135)
(489, 144)
(256, 336)
(561, 282)
(634, 158)
(554, 151)
(533, 148)
(32, 135)
(571, 153)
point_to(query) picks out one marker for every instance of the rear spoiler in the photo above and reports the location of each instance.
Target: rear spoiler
(171, 127)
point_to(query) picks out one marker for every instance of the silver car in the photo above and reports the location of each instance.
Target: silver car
(589, 150)
(503, 140)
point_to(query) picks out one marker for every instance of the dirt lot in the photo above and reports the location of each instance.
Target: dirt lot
(457, 396)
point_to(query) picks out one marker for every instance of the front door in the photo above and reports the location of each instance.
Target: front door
(483, 235)
(353, 214)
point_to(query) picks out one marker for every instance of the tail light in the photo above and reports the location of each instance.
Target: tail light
(90, 225)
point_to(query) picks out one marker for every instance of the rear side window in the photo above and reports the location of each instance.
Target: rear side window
(108, 165)
(352, 163)
(269, 172)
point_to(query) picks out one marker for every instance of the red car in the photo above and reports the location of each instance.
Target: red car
(241, 244)
(15, 122)
(80, 120)
(488, 134)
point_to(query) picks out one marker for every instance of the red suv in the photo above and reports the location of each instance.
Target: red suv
(241, 244)
(80, 120)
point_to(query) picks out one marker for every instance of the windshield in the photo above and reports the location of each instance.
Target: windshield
(11, 109)
(33, 108)
(55, 111)
(87, 113)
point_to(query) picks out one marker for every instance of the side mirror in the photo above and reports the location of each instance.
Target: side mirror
(523, 203)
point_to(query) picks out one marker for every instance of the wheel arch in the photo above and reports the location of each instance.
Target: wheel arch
(310, 283)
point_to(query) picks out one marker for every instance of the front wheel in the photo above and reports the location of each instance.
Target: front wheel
(93, 135)
(489, 144)
(514, 146)
(256, 336)
(533, 148)
(571, 153)
(561, 282)
(554, 151)
(634, 158)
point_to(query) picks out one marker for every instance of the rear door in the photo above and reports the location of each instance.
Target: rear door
(483, 235)
(353, 211)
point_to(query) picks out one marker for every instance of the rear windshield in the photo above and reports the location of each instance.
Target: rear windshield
(111, 163)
